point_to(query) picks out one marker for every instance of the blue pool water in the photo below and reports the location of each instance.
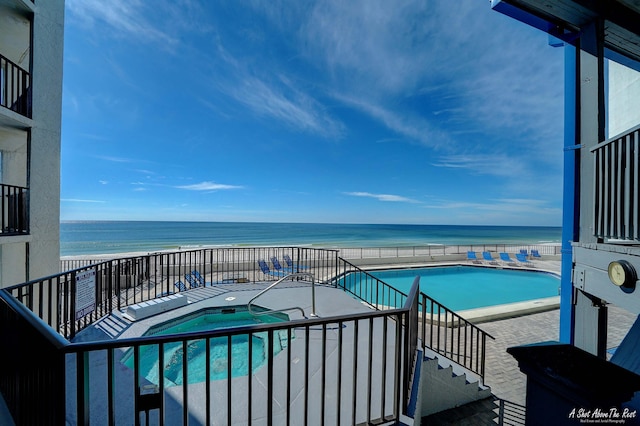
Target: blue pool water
(208, 319)
(468, 287)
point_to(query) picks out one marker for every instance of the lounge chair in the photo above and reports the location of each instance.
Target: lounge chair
(180, 286)
(507, 259)
(535, 253)
(196, 274)
(265, 270)
(292, 265)
(278, 267)
(487, 256)
(193, 282)
(471, 255)
(523, 259)
(524, 252)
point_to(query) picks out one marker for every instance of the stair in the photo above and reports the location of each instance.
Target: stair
(446, 385)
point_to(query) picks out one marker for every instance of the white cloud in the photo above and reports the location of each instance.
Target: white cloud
(115, 159)
(486, 164)
(208, 186)
(127, 17)
(284, 102)
(78, 200)
(382, 197)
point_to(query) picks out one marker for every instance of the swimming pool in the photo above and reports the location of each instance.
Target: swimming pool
(468, 287)
(203, 320)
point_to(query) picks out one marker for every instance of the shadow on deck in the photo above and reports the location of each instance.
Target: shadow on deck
(489, 411)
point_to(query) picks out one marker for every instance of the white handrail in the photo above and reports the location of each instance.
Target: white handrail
(292, 275)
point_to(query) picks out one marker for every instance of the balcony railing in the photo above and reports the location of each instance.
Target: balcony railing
(14, 219)
(15, 87)
(617, 187)
(355, 368)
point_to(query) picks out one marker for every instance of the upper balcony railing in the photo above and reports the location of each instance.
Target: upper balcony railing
(617, 187)
(15, 87)
(14, 216)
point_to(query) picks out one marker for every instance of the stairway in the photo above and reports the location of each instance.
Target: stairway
(446, 385)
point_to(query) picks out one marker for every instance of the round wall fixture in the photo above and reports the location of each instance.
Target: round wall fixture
(623, 274)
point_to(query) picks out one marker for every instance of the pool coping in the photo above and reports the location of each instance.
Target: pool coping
(490, 313)
(510, 310)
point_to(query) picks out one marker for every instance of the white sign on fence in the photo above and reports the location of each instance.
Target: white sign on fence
(85, 293)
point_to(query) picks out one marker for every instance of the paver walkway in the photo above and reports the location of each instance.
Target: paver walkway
(503, 375)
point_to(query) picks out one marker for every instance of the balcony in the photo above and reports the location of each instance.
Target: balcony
(14, 204)
(616, 187)
(15, 88)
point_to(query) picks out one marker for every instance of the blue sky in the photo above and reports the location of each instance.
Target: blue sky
(425, 112)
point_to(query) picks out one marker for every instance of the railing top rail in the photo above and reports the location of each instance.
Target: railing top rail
(54, 276)
(195, 335)
(413, 293)
(13, 63)
(14, 186)
(454, 314)
(44, 329)
(614, 138)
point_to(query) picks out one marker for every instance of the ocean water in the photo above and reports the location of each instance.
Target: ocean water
(106, 237)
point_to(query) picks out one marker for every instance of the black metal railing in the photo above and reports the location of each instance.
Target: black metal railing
(15, 87)
(126, 281)
(14, 203)
(442, 330)
(352, 368)
(616, 187)
(361, 364)
(438, 250)
(450, 335)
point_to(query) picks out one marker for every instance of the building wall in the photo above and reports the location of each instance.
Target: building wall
(31, 35)
(623, 100)
(44, 250)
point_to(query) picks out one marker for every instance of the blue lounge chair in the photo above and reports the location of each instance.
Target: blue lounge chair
(523, 259)
(265, 270)
(278, 267)
(524, 252)
(193, 282)
(292, 265)
(196, 274)
(534, 253)
(471, 255)
(487, 256)
(180, 286)
(507, 259)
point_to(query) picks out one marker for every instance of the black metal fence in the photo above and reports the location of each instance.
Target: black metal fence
(123, 282)
(442, 330)
(438, 250)
(352, 368)
(354, 253)
(15, 87)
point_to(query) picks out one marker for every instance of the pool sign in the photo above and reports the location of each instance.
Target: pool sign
(85, 293)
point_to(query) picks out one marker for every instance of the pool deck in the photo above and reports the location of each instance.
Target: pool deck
(329, 302)
(510, 328)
